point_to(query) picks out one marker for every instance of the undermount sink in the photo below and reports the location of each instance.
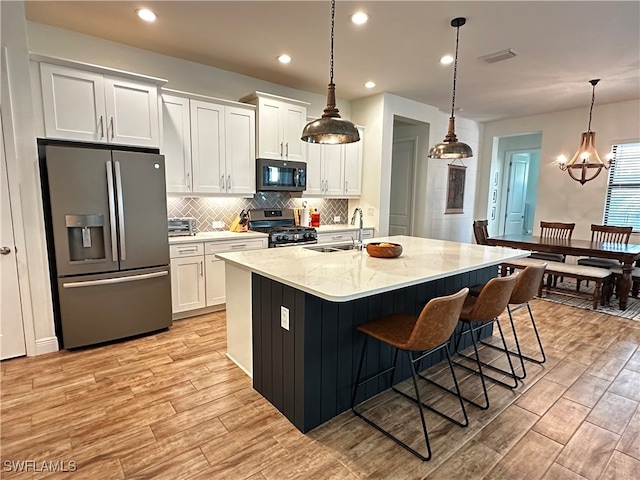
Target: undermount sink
(332, 248)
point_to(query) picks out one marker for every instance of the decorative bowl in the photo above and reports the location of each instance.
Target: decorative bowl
(384, 249)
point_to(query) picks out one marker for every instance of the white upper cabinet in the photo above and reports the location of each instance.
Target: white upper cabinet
(89, 106)
(176, 131)
(209, 147)
(240, 134)
(335, 171)
(280, 125)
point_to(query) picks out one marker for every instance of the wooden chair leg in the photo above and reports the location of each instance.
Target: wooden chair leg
(596, 294)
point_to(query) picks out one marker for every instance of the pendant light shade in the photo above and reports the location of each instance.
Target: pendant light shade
(451, 148)
(585, 164)
(330, 128)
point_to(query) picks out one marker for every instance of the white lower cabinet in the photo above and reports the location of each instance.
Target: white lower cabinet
(215, 289)
(198, 277)
(187, 279)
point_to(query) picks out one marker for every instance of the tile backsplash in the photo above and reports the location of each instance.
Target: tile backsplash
(207, 210)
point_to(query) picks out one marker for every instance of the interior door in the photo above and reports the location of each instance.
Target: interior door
(402, 176)
(516, 194)
(12, 342)
(142, 209)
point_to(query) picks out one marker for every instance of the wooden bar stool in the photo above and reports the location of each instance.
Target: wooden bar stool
(417, 337)
(526, 287)
(479, 312)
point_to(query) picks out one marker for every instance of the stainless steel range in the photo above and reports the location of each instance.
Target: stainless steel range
(281, 226)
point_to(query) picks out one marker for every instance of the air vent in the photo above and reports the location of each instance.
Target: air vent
(499, 56)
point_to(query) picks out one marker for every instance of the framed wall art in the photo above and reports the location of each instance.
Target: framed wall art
(455, 189)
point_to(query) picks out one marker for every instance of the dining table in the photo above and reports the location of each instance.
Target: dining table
(625, 253)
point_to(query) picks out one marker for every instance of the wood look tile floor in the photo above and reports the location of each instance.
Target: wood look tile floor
(172, 406)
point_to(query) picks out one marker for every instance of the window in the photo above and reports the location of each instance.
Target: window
(622, 206)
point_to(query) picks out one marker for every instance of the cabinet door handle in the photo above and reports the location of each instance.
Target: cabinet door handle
(243, 245)
(113, 133)
(188, 185)
(346, 186)
(286, 150)
(201, 268)
(280, 149)
(188, 250)
(229, 180)
(101, 123)
(221, 182)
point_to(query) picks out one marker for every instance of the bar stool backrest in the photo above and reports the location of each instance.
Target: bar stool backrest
(608, 233)
(556, 230)
(436, 322)
(527, 284)
(481, 231)
(493, 299)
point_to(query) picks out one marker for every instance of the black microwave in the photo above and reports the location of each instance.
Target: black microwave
(280, 176)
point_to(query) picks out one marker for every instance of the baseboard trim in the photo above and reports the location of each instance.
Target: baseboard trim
(46, 345)
(239, 366)
(198, 311)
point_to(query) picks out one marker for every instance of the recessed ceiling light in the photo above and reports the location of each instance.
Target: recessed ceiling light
(146, 15)
(284, 58)
(370, 84)
(359, 18)
(446, 60)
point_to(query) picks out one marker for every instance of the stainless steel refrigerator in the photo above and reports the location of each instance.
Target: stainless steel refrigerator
(106, 222)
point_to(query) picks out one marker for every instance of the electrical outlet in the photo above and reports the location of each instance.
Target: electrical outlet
(336, 219)
(370, 211)
(217, 224)
(284, 317)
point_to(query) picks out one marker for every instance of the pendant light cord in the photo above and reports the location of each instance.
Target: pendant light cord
(593, 99)
(455, 72)
(333, 15)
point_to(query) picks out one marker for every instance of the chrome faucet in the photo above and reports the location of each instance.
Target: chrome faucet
(359, 244)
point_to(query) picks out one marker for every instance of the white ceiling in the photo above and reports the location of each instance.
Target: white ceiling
(561, 46)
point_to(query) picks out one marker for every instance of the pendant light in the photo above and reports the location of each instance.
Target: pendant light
(586, 158)
(450, 146)
(331, 128)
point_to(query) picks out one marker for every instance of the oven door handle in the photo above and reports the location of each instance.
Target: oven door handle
(293, 244)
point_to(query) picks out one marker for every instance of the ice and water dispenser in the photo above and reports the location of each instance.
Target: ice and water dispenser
(85, 235)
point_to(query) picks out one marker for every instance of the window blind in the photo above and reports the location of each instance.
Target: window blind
(622, 205)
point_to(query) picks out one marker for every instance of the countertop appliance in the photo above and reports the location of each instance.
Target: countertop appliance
(281, 226)
(280, 175)
(182, 226)
(105, 216)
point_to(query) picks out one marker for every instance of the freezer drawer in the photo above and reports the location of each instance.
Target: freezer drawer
(100, 308)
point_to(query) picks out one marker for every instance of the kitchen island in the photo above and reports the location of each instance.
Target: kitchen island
(292, 313)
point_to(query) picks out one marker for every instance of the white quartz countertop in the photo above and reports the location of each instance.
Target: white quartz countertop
(221, 235)
(347, 275)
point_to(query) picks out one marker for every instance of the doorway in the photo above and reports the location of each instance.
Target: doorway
(12, 342)
(521, 179)
(403, 166)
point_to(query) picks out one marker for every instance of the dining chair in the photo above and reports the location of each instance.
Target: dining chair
(416, 337)
(605, 233)
(555, 230)
(477, 313)
(528, 285)
(481, 231)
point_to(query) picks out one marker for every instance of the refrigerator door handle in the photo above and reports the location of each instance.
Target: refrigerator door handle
(123, 246)
(112, 212)
(108, 281)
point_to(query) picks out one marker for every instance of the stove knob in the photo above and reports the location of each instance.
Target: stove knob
(296, 236)
(279, 237)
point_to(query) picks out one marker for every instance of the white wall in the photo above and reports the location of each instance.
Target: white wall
(560, 198)
(382, 110)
